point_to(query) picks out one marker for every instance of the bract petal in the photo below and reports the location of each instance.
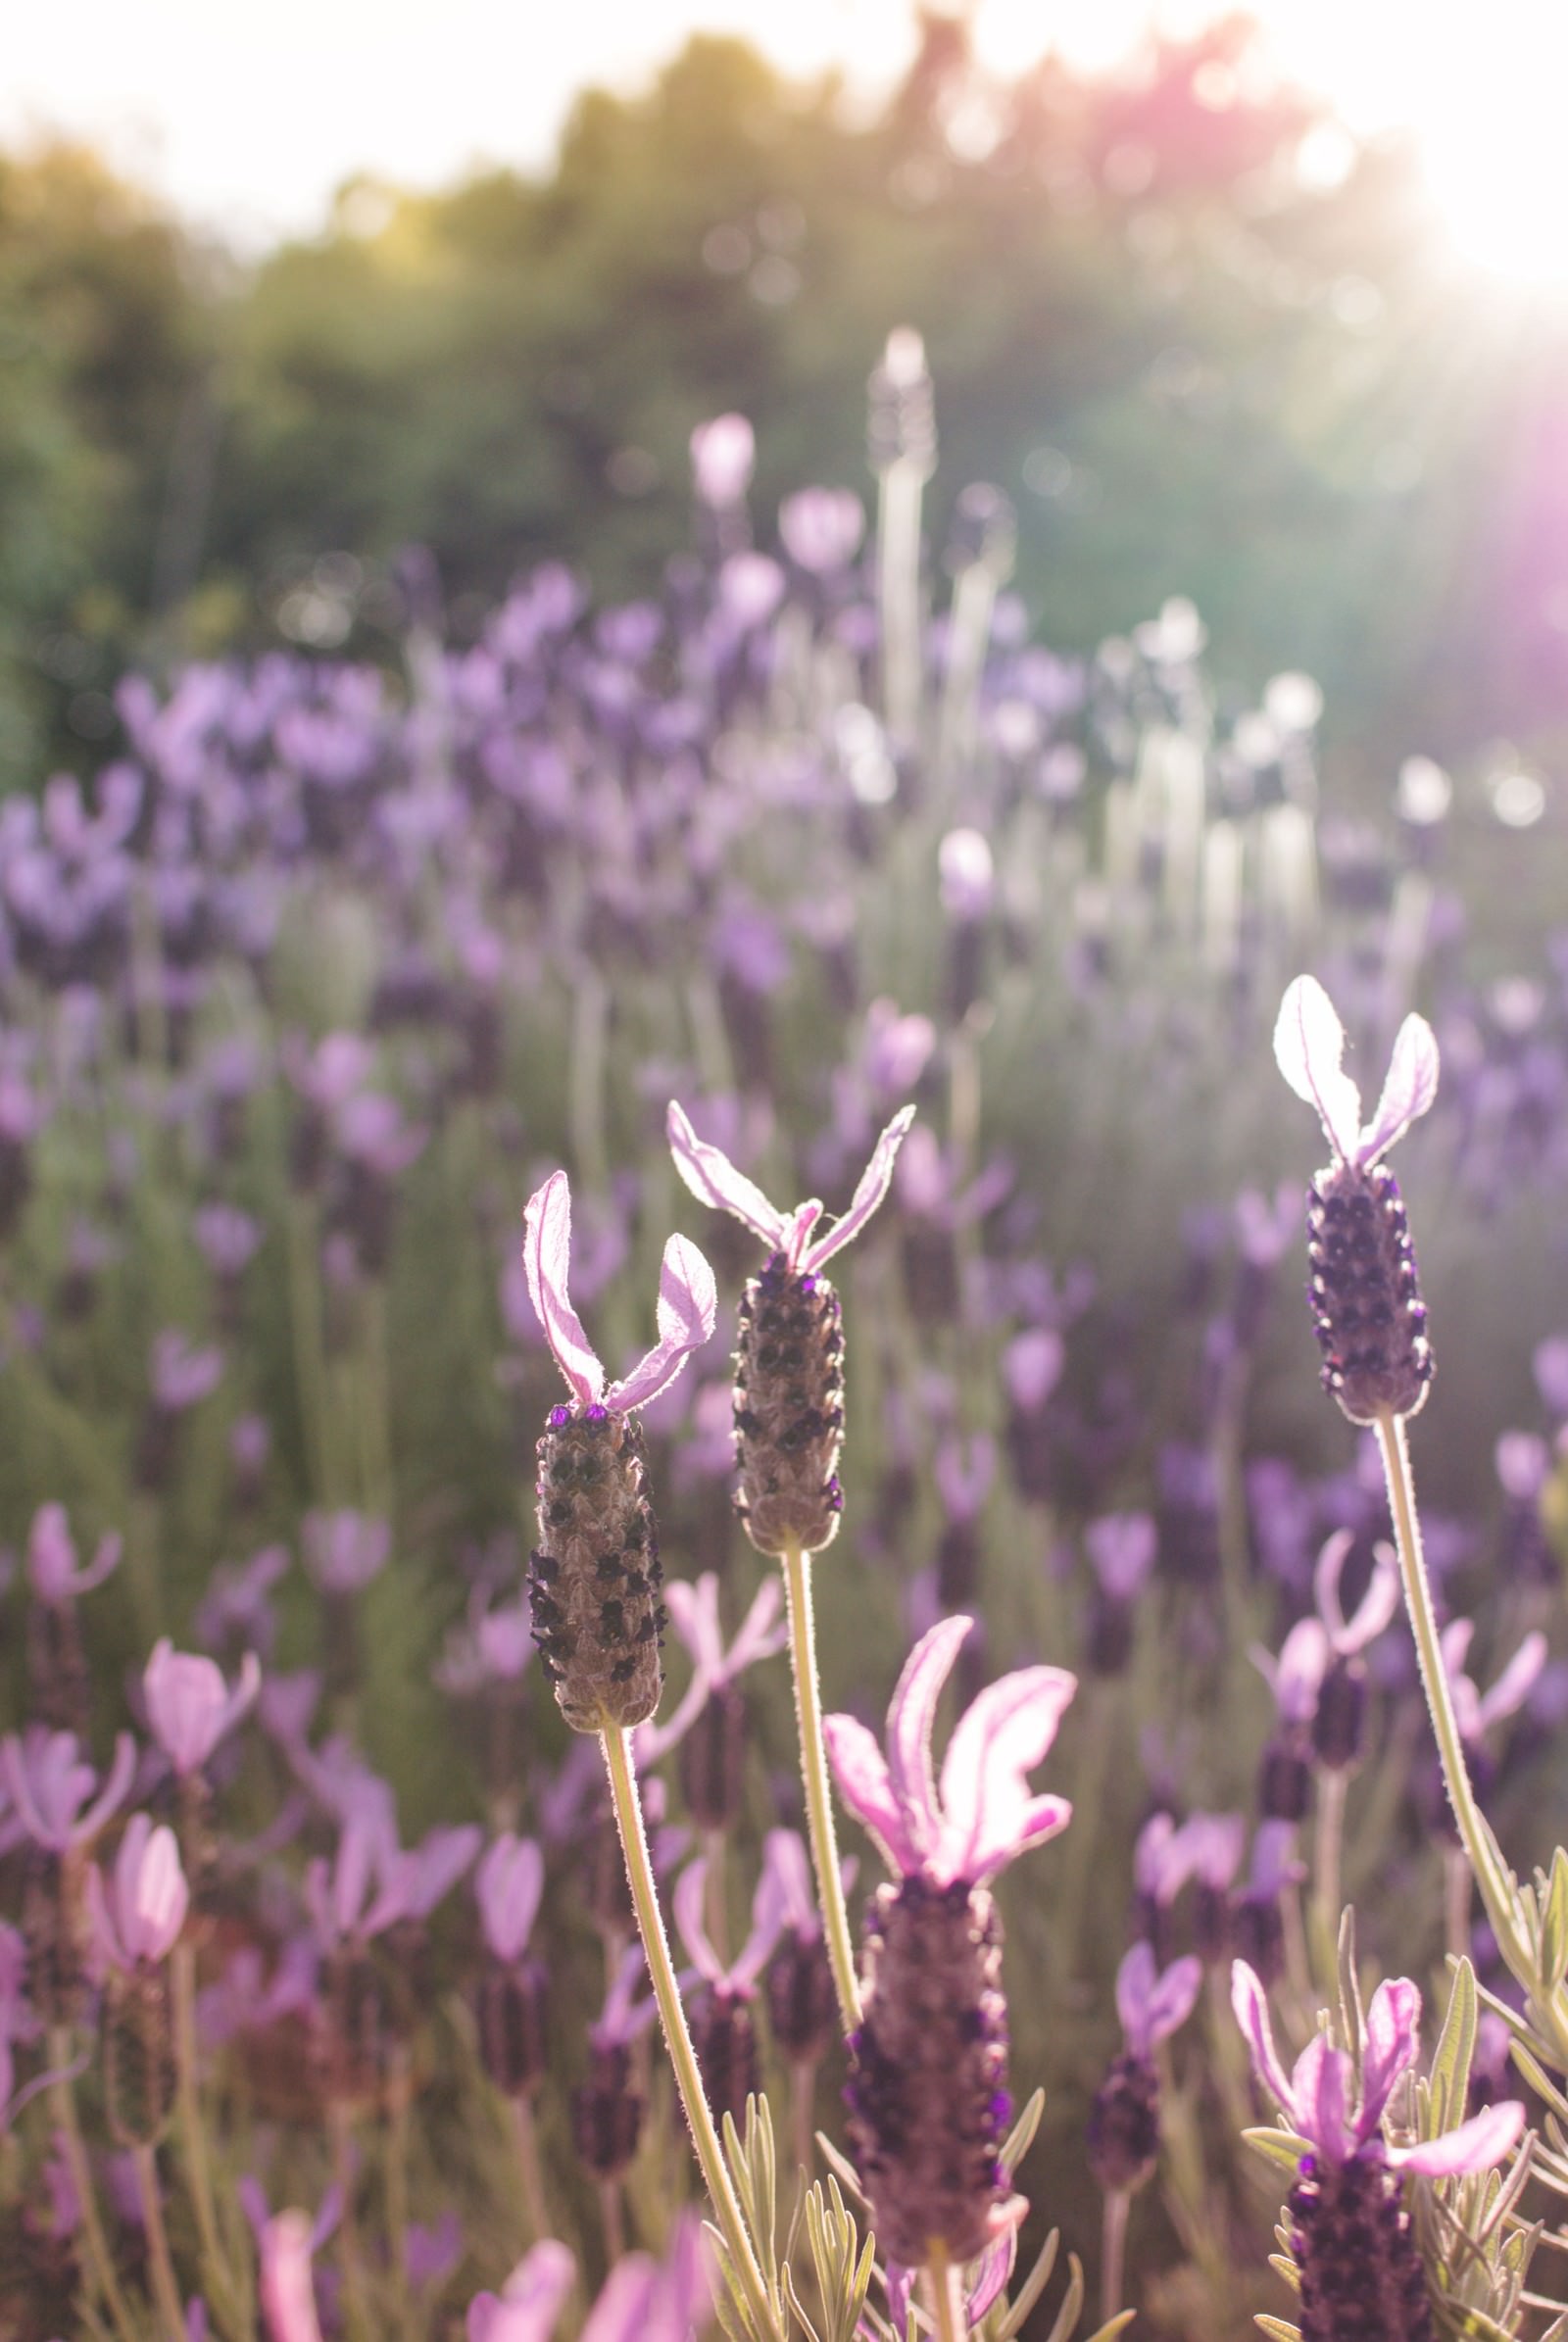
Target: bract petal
(1326, 1581)
(987, 1809)
(911, 1715)
(547, 1260)
(1007, 1831)
(623, 2311)
(875, 1180)
(758, 1636)
(1475, 2146)
(713, 1178)
(693, 1606)
(688, 1304)
(691, 1888)
(1377, 1606)
(1392, 2046)
(1170, 2003)
(1411, 1088)
(1250, 2003)
(863, 1783)
(1135, 1986)
(784, 1852)
(1308, 1045)
(1511, 1688)
(1320, 2091)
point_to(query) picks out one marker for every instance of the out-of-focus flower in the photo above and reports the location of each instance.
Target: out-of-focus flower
(50, 1785)
(52, 1570)
(189, 1706)
(139, 1918)
(1123, 2141)
(182, 1374)
(508, 1883)
(694, 1615)
(287, 2285)
(343, 1551)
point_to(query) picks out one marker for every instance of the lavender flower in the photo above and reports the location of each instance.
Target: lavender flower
(190, 1707)
(1349, 2229)
(1366, 1302)
(607, 2109)
(593, 1578)
(50, 1786)
(724, 2033)
(512, 2003)
(1123, 2140)
(57, 1658)
(927, 2090)
(135, 1923)
(708, 1721)
(802, 2009)
(789, 1413)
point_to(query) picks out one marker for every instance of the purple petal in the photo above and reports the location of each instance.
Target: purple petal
(767, 1924)
(988, 1811)
(1511, 1688)
(901, 2289)
(784, 1852)
(623, 2312)
(547, 1259)
(688, 1304)
(531, 2300)
(115, 1791)
(1393, 2045)
(1308, 1045)
(1135, 1986)
(1476, 2146)
(510, 1883)
(866, 1788)
(1326, 1581)
(1171, 2002)
(798, 1229)
(1409, 1089)
(1303, 1664)
(1250, 2004)
(713, 1178)
(690, 1890)
(992, 2273)
(1377, 1606)
(758, 1637)
(693, 1608)
(911, 1716)
(1320, 2091)
(875, 1181)
(287, 2289)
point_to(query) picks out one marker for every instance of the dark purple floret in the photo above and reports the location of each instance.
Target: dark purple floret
(1366, 1302)
(138, 2054)
(1123, 2140)
(927, 2087)
(1339, 1723)
(607, 2113)
(724, 2037)
(802, 2005)
(1362, 2277)
(512, 2009)
(789, 1410)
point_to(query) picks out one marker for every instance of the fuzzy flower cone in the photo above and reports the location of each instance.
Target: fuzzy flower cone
(1360, 2274)
(789, 1382)
(1366, 1302)
(928, 2097)
(595, 1576)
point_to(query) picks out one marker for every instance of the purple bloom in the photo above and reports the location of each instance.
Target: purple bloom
(344, 1551)
(229, 1238)
(1475, 1711)
(1152, 2003)
(714, 1180)
(1121, 1550)
(182, 1375)
(1318, 2100)
(138, 1918)
(287, 2287)
(985, 1814)
(508, 1883)
(190, 1707)
(736, 1980)
(51, 1783)
(821, 528)
(688, 1303)
(623, 2017)
(528, 2305)
(694, 1615)
(52, 1570)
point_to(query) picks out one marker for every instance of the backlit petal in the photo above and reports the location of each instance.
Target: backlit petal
(547, 1260)
(1411, 1088)
(688, 1304)
(875, 1181)
(1308, 1045)
(713, 1178)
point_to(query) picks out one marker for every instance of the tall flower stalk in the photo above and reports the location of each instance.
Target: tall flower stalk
(789, 1424)
(597, 1618)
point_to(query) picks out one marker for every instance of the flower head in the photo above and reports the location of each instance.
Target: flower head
(189, 1706)
(139, 1916)
(984, 1814)
(688, 1303)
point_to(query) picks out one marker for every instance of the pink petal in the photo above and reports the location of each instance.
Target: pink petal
(1250, 2004)
(1377, 1606)
(1411, 1088)
(688, 1304)
(757, 1637)
(1326, 1581)
(875, 1181)
(693, 1606)
(1512, 1686)
(509, 1884)
(1308, 1045)
(911, 1716)
(767, 1924)
(690, 1890)
(1135, 1985)
(1393, 2045)
(991, 2273)
(1011, 1830)
(784, 1852)
(547, 1259)
(866, 1788)
(1170, 2003)
(113, 1795)
(996, 1743)
(288, 2293)
(531, 2300)
(1476, 2146)
(798, 1233)
(1320, 2092)
(713, 1178)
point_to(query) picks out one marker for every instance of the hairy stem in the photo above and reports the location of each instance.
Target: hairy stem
(945, 2286)
(677, 2034)
(1327, 1845)
(814, 1782)
(1497, 1888)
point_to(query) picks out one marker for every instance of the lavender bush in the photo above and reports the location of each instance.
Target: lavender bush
(345, 1808)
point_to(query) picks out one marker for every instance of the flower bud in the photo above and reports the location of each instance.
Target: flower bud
(789, 1410)
(927, 2089)
(1366, 1302)
(594, 1580)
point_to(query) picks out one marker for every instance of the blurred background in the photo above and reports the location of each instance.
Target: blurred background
(1264, 312)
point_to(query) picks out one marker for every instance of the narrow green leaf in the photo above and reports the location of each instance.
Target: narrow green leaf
(797, 2306)
(1020, 2138)
(1555, 1922)
(1281, 2147)
(1451, 2066)
(1277, 2329)
(1114, 2327)
(1071, 2304)
(1031, 2290)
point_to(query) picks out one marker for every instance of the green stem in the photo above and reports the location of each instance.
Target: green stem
(1113, 2251)
(1496, 1888)
(814, 1782)
(192, 2135)
(165, 2288)
(100, 2263)
(1333, 1780)
(677, 2036)
(944, 2287)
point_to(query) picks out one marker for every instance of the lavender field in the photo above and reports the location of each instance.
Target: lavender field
(597, 1748)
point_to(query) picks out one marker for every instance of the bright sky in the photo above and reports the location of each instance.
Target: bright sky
(248, 118)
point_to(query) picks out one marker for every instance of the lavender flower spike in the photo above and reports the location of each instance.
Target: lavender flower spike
(1367, 1302)
(927, 2090)
(789, 1386)
(1349, 2231)
(595, 1575)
